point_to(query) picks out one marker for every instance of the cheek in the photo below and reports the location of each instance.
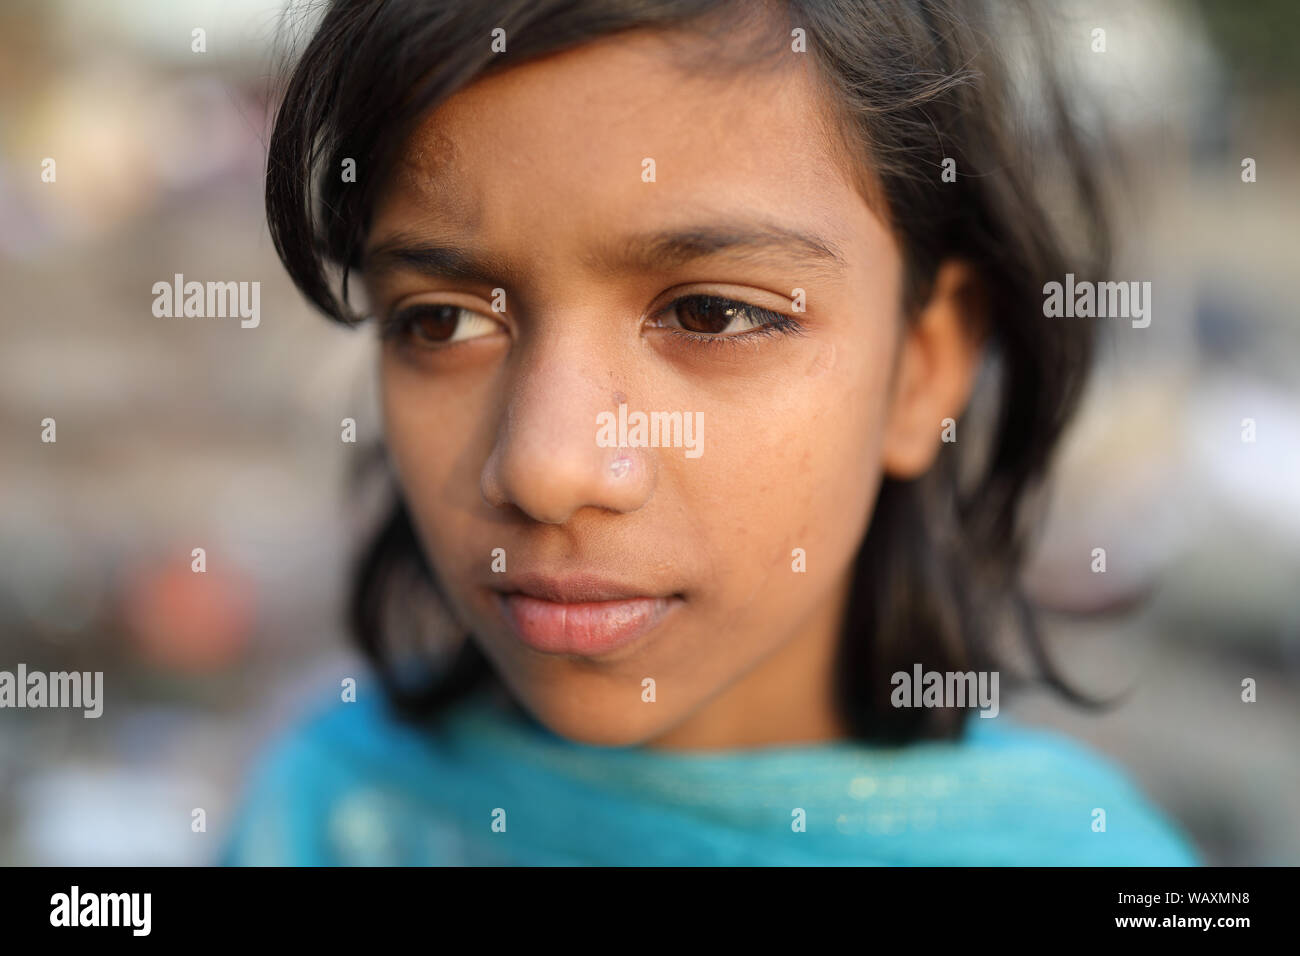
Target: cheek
(842, 448)
(427, 432)
(837, 433)
(797, 465)
(407, 406)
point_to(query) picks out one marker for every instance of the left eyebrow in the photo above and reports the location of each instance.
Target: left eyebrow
(741, 241)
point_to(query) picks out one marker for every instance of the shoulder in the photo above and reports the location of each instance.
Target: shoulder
(1076, 806)
(322, 785)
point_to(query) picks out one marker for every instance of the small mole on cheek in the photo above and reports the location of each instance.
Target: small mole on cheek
(619, 398)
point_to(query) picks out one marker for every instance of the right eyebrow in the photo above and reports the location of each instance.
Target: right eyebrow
(435, 260)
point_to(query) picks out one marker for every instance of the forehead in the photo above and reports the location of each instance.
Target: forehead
(571, 140)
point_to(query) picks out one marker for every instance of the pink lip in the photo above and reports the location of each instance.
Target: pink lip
(581, 616)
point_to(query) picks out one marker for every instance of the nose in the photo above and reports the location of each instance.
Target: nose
(546, 460)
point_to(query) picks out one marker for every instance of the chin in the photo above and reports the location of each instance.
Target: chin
(582, 717)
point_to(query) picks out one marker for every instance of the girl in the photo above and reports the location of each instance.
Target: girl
(681, 306)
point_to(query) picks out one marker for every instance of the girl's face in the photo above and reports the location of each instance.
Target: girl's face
(600, 229)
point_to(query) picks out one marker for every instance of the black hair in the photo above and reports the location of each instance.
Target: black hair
(915, 83)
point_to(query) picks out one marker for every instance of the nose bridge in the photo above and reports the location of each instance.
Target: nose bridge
(546, 459)
(559, 385)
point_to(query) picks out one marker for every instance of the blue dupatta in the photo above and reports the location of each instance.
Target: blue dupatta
(353, 786)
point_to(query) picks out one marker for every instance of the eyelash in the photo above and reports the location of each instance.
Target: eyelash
(401, 325)
(767, 322)
(773, 323)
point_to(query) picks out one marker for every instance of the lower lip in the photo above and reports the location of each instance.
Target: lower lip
(586, 629)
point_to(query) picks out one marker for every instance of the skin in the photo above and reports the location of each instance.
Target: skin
(493, 435)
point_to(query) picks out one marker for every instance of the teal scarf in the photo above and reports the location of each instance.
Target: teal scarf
(486, 786)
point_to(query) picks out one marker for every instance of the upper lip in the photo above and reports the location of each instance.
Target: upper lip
(579, 588)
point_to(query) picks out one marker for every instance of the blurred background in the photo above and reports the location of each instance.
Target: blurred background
(176, 434)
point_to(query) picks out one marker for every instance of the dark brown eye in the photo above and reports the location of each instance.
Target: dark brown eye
(706, 314)
(433, 323)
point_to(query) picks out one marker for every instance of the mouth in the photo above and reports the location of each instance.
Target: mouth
(581, 615)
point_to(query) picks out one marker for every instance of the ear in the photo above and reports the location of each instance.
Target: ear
(939, 357)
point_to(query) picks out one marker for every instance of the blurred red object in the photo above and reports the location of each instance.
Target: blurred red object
(189, 621)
